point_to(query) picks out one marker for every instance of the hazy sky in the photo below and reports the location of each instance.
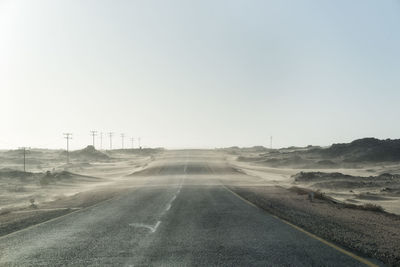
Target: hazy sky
(199, 73)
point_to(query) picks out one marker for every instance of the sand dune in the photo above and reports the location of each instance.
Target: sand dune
(88, 169)
(363, 171)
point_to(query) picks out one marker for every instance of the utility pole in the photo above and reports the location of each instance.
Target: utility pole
(122, 138)
(132, 139)
(101, 140)
(24, 159)
(68, 136)
(139, 143)
(24, 149)
(93, 134)
(110, 134)
(270, 142)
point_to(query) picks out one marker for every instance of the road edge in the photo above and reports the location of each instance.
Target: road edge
(326, 242)
(57, 218)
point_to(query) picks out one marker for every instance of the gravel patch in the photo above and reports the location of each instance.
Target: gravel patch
(371, 233)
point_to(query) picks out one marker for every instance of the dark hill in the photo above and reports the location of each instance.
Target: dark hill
(366, 149)
(88, 153)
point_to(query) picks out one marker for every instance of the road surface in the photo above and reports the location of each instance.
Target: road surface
(182, 216)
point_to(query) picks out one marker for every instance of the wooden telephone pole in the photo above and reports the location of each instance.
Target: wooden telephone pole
(68, 136)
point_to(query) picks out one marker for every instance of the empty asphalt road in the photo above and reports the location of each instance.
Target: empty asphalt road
(182, 216)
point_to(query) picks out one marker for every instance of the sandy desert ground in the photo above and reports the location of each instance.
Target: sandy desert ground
(48, 177)
(50, 189)
(358, 182)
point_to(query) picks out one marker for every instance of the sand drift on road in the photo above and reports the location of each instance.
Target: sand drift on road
(158, 176)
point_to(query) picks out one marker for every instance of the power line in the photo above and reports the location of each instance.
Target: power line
(132, 139)
(24, 149)
(101, 140)
(122, 138)
(110, 134)
(93, 134)
(67, 136)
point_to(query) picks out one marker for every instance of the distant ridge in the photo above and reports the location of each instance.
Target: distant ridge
(365, 149)
(348, 155)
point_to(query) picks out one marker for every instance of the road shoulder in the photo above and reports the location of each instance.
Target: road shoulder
(374, 234)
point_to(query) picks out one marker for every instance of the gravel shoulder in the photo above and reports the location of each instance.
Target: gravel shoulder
(371, 233)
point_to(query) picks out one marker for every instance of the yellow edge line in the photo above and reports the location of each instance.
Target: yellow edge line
(348, 253)
(56, 218)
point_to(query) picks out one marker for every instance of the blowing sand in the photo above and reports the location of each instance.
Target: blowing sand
(365, 184)
(52, 188)
(48, 178)
(62, 189)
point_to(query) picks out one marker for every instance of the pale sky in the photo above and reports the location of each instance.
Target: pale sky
(204, 73)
